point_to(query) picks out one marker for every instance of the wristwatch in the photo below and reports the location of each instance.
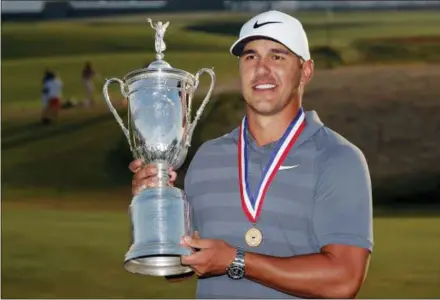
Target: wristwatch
(236, 269)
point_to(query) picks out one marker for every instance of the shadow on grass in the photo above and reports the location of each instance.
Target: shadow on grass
(416, 194)
(31, 132)
(399, 49)
(11, 129)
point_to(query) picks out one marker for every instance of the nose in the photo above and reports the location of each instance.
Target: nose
(262, 68)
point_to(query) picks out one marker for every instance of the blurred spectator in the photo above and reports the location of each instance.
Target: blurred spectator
(88, 74)
(52, 91)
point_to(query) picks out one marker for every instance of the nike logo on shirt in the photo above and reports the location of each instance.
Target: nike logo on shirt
(288, 167)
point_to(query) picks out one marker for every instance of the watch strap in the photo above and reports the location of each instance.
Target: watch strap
(239, 257)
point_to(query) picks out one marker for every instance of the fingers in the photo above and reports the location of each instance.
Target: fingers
(195, 236)
(197, 243)
(173, 176)
(135, 165)
(193, 259)
(145, 172)
(148, 171)
(145, 176)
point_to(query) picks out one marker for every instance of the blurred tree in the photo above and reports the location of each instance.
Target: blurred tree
(195, 5)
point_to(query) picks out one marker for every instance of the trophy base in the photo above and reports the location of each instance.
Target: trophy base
(160, 218)
(157, 264)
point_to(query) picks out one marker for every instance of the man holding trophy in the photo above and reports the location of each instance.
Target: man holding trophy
(280, 207)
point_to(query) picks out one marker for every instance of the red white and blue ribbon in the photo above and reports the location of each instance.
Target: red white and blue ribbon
(252, 204)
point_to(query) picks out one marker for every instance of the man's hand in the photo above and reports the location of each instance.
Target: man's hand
(146, 176)
(213, 257)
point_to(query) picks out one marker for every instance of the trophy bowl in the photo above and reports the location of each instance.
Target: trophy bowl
(159, 132)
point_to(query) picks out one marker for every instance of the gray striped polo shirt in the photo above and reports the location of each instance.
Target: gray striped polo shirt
(325, 199)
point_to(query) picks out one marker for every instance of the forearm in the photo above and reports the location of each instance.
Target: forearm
(311, 276)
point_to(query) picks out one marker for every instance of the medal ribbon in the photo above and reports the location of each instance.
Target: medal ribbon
(252, 205)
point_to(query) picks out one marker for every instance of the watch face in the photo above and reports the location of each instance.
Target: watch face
(236, 272)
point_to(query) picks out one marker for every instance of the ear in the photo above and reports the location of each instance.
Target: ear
(307, 73)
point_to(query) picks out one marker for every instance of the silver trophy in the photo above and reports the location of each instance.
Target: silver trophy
(159, 132)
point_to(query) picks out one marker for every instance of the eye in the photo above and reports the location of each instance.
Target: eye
(249, 57)
(277, 57)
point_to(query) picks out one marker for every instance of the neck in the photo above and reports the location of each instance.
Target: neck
(267, 129)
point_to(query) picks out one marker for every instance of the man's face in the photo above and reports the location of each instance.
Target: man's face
(270, 76)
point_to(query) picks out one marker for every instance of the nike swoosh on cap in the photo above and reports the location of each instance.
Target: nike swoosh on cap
(288, 167)
(256, 25)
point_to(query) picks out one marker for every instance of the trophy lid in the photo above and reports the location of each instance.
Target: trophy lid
(159, 64)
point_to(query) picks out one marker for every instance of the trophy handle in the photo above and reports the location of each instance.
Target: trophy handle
(192, 125)
(110, 105)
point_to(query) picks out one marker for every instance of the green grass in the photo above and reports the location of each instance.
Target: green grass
(72, 254)
(66, 188)
(79, 254)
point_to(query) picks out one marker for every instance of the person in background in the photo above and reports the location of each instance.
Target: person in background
(52, 90)
(88, 74)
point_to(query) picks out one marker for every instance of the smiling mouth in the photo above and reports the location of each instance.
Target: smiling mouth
(264, 87)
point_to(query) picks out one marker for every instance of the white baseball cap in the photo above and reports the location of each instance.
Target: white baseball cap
(276, 26)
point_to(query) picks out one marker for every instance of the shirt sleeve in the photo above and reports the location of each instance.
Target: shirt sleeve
(343, 199)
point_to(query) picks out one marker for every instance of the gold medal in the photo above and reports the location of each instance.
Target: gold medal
(253, 237)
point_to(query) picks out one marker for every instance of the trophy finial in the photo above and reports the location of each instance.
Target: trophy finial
(160, 32)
